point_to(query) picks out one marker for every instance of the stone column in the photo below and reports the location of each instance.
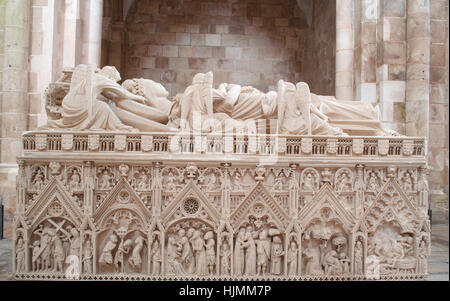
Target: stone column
(344, 49)
(14, 106)
(14, 102)
(71, 33)
(418, 68)
(365, 51)
(391, 63)
(438, 143)
(91, 12)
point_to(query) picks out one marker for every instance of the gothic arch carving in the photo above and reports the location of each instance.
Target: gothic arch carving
(326, 198)
(259, 196)
(122, 196)
(56, 192)
(392, 204)
(190, 202)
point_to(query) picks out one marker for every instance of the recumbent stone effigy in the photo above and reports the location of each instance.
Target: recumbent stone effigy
(227, 183)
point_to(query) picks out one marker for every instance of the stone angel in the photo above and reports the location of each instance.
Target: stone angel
(296, 114)
(97, 102)
(196, 103)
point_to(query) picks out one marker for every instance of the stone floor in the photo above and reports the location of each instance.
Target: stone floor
(437, 263)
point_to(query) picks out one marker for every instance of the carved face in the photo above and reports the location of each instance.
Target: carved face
(181, 232)
(113, 238)
(242, 231)
(190, 232)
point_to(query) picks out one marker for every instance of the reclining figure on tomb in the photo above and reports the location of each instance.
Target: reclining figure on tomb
(96, 101)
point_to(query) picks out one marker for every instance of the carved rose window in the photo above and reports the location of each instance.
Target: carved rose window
(124, 197)
(191, 206)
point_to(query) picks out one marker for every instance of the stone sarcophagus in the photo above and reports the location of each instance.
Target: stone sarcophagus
(171, 206)
(124, 184)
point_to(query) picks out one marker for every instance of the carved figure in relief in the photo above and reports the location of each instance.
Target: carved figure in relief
(45, 249)
(422, 184)
(107, 257)
(210, 252)
(393, 251)
(75, 242)
(58, 254)
(105, 180)
(173, 256)
(187, 255)
(308, 183)
(87, 257)
(124, 248)
(359, 257)
(276, 254)
(156, 258)
(225, 258)
(75, 181)
(278, 185)
(423, 253)
(262, 253)
(212, 182)
(136, 260)
(407, 182)
(20, 256)
(312, 256)
(407, 245)
(332, 264)
(142, 180)
(38, 181)
(345, 263)
(239, 253)
(292, 258)
(36, 258)
(250, 252)
(345, 183)
(170, 184)
(237, 184)
(198, 246)
(373, 182)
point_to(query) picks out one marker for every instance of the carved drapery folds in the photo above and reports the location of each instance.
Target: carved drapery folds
(182, 220)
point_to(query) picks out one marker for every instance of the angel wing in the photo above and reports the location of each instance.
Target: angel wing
(206, 93)
(303, 99)
(185, 101)
(281, 104)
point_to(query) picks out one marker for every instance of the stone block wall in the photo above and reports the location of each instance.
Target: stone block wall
(247, 42)
(438, 122)
(320, 49)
